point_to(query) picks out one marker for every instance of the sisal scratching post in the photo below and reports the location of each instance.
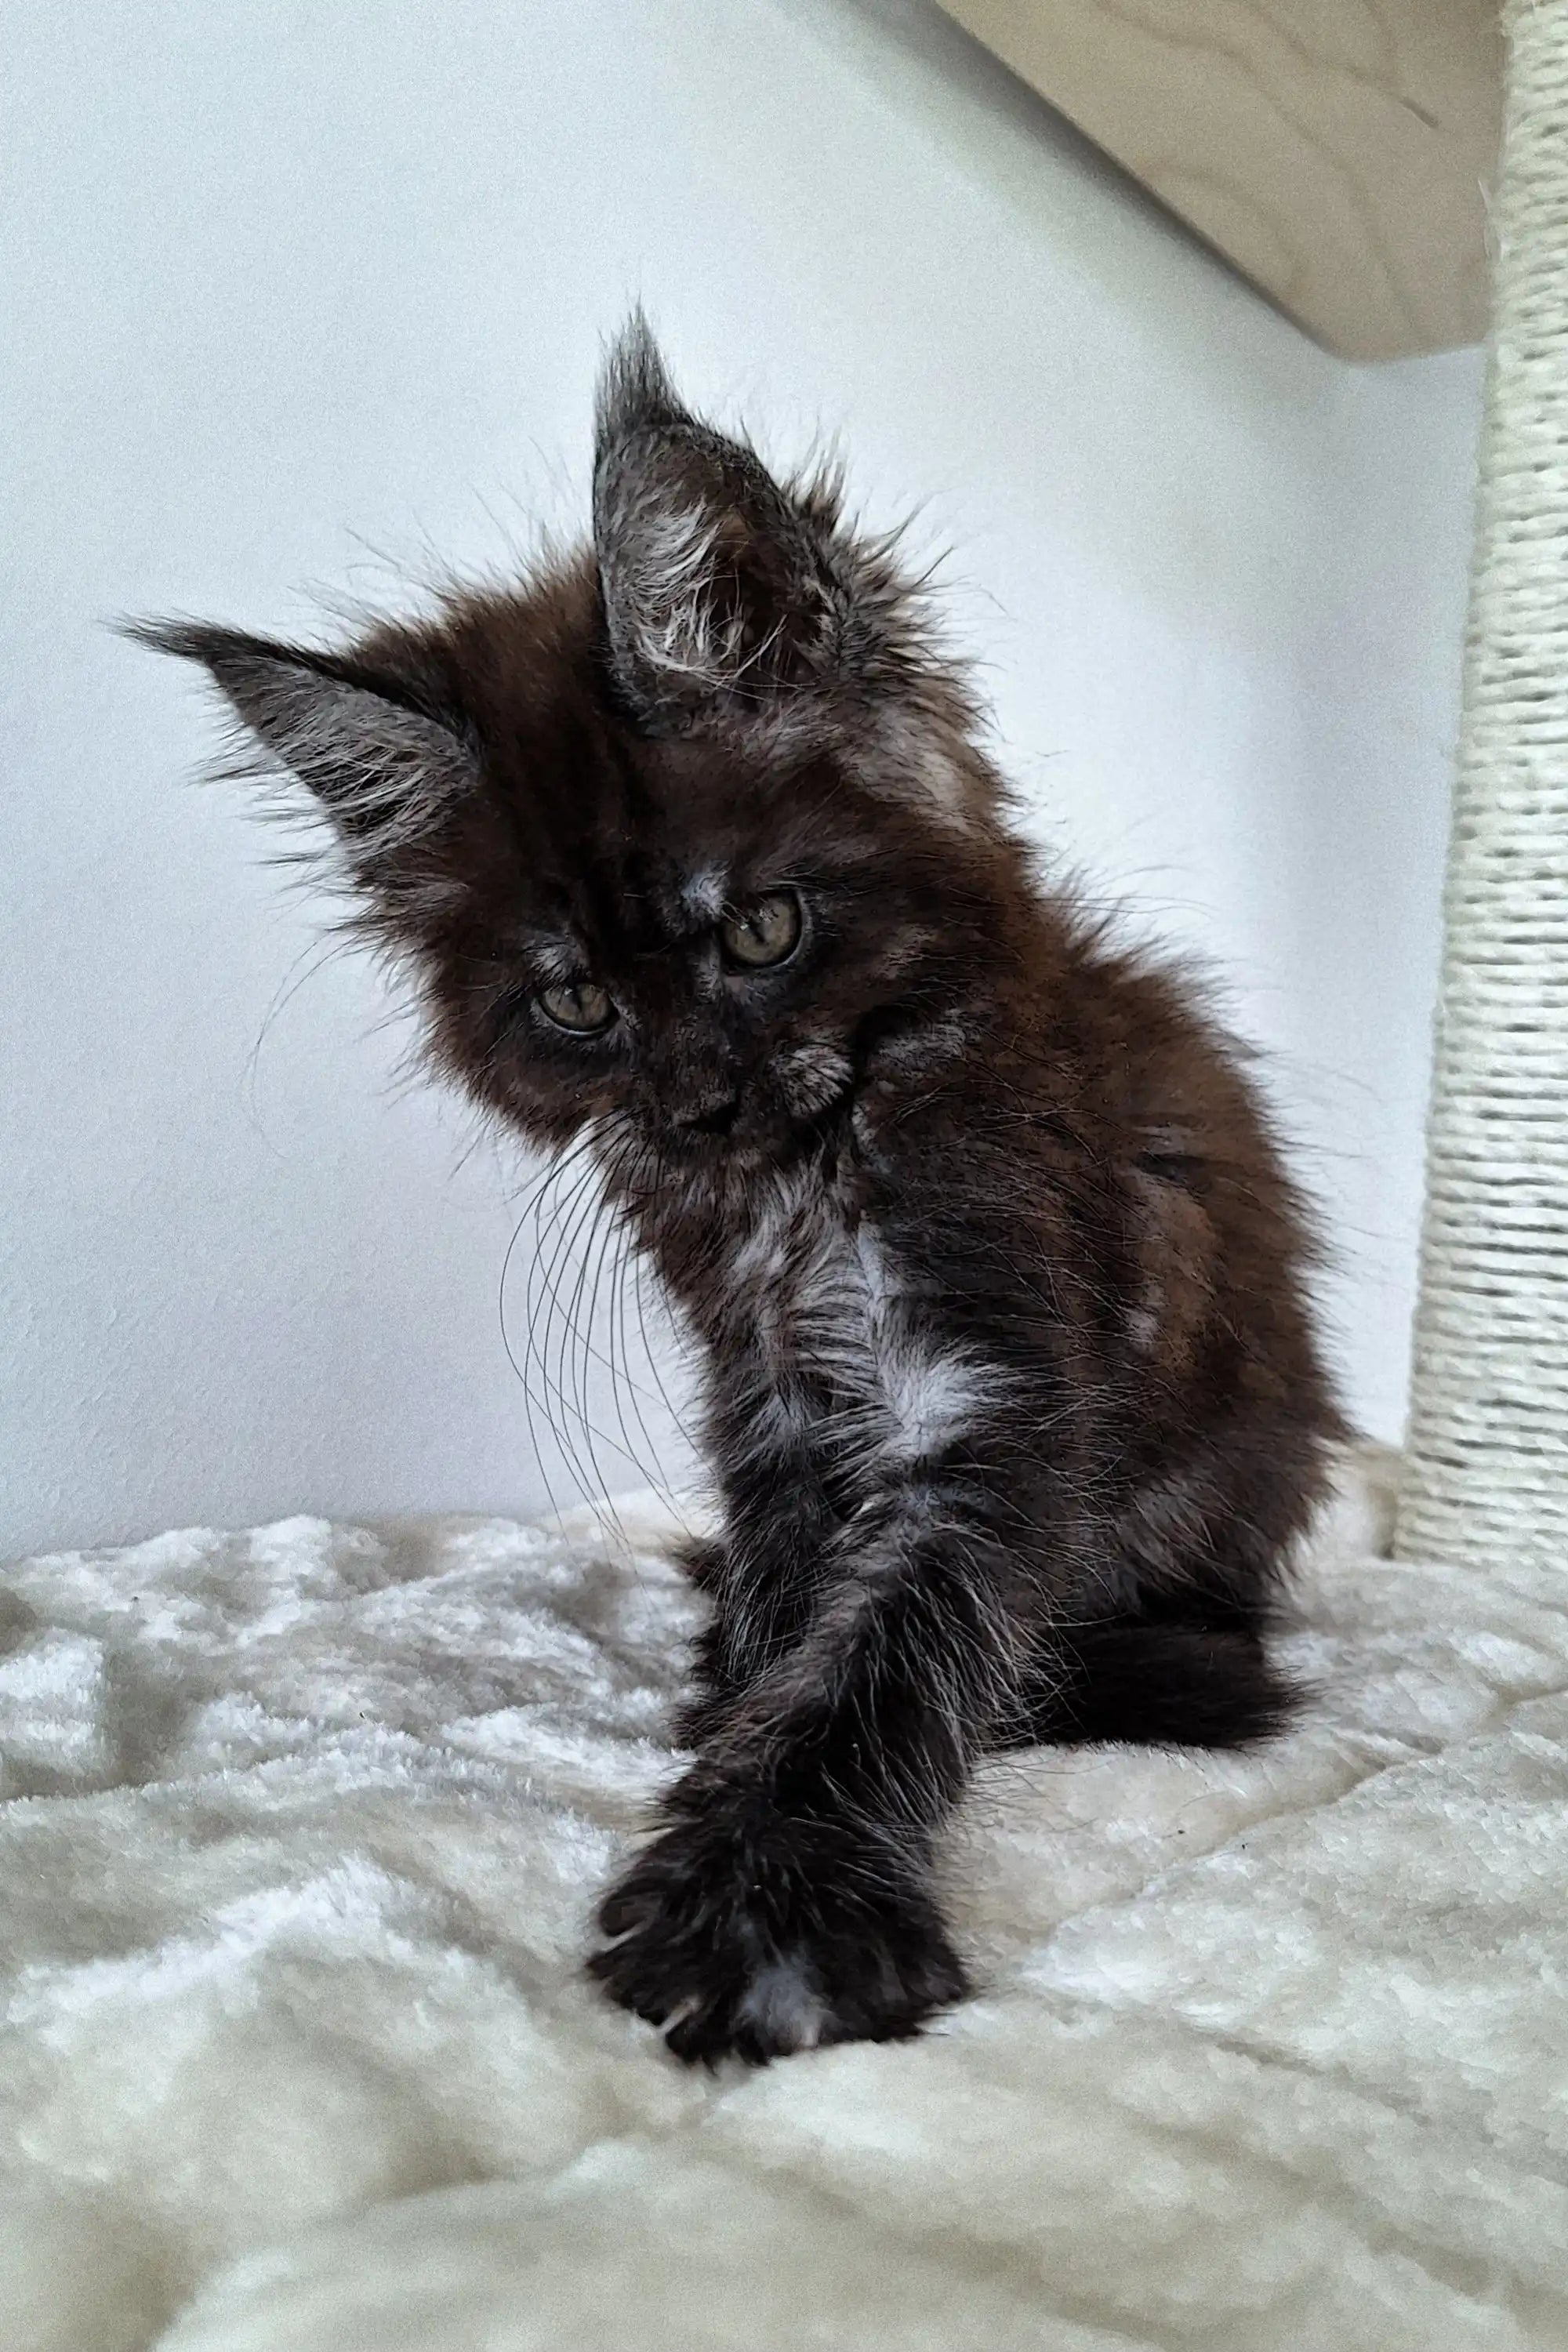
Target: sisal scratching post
(1487, 1477)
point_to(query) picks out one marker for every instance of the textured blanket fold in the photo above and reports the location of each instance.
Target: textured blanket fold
(301, 1832)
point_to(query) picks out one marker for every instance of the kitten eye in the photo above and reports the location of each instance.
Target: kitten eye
(766, 931)
(580, 1005)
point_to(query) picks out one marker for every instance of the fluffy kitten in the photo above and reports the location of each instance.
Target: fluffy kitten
(1013, 1398)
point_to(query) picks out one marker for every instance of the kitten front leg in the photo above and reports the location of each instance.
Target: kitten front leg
(788, 1902)
(763, 1581)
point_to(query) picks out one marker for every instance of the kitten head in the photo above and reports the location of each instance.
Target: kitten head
(677, 834)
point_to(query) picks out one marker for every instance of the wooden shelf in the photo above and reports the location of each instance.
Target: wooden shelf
(1337, 152)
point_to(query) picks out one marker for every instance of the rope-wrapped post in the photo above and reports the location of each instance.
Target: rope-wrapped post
(1487, 1476)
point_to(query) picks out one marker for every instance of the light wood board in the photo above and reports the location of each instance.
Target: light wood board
(1337, 152)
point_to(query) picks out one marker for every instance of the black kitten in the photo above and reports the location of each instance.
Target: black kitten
(1012, 1402)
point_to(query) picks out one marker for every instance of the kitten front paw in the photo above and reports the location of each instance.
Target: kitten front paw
(755, 1939)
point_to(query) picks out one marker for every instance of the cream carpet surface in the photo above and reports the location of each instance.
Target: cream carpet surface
(300, 1834)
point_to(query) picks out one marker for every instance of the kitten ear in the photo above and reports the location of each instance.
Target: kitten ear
(367, 741)
(719, 588)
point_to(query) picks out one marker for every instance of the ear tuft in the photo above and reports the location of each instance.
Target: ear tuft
(635, 392)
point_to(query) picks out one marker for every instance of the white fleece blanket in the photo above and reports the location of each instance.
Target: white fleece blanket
(302, 1833)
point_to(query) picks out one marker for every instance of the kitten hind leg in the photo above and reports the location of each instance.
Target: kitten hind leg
(1151, 1686)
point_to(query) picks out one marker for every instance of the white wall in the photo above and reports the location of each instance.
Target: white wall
(301, 297)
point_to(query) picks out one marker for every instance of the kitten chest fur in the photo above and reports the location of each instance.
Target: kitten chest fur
(836, 1346)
